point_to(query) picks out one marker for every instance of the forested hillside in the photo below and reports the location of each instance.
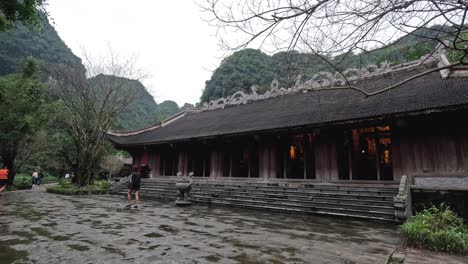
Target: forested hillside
(42, 44)
(46, 46)
(250, 67)
(144, 111)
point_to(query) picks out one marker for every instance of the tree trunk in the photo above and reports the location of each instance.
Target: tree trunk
(86, 170)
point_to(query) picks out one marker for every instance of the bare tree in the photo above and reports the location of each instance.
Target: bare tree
(327, 28)
(91, 104)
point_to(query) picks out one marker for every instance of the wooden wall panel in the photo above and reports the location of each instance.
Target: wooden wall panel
(428, 149)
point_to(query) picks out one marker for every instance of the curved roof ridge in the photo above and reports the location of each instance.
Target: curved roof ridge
(150, 128)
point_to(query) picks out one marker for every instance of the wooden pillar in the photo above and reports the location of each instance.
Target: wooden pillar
(326, 158)
(215, 166)
(271, 157)
(263, 162)
(267, 159)
(182, 165)
(135, 158)
(157, 164)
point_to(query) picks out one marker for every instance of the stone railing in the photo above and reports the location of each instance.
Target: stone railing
(116, 186)
(402, 202)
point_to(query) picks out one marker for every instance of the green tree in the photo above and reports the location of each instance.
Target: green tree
(24, 111)
(27, 12)
(239, 72)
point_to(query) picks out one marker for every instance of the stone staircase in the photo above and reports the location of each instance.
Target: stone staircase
(352, 200)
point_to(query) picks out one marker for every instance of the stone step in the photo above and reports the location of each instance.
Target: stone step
(298, 190)
(304, 203)
(300, 195)
(283, 191)
(336, 202)
(363, 201)
(272, 186)
(354, 214)
(391, 192)
(281, 184)
(281, 207)
(388, 208)
(383, 200)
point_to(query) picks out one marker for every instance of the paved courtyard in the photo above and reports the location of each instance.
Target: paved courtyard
(38, 227)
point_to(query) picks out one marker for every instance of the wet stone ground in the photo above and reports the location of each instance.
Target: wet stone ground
(37, 227)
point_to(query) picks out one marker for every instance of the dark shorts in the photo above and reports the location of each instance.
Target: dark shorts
(134, 188)
(3, 182)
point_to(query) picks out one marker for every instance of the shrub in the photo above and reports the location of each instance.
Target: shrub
(67, 188)
(437, 228)
(21, 182)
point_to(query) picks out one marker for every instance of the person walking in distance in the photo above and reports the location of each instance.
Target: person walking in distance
(134, 186)
(40, 177)
(35, 176)
(3, 178)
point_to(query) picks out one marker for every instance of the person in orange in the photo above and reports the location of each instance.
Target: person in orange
(3, 178)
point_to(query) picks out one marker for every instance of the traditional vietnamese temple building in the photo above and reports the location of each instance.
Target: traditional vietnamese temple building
(328, 135)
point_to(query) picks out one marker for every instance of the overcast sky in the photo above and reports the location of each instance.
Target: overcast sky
(172, 43)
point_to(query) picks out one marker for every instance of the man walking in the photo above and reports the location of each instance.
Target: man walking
(35, 176)
(134, 186)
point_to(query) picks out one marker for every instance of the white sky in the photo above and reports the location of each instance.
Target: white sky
(172, 43)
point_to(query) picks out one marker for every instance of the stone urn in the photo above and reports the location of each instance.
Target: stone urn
(183, 187)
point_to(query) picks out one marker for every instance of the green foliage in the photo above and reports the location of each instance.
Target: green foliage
(143, 111)
(27, 12)
(24, 109)
(437, 228)
(458, 54)
(67, 188)
(18, 43)
(239, 72)
(166, 109)
(25, 177)
(51, 52)
(22, 182)
(245, 68)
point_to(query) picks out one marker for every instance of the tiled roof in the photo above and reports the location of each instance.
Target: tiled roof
(313, 107)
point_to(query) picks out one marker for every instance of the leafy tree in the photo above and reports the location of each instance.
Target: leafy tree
(239, 72)
(28, 12)
(24, 111)
(166, 109)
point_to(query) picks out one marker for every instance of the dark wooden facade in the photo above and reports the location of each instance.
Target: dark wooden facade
(383, 151)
